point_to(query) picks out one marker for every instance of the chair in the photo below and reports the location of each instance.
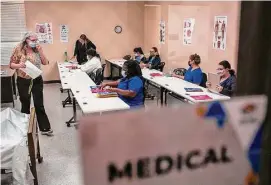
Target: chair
(180, 71)
(99, 76)
(204, 80)
(103, 67)
(161, 66)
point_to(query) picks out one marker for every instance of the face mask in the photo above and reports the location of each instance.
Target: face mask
(136, 55)
(32, 44)
(123, 73)
(89, 58)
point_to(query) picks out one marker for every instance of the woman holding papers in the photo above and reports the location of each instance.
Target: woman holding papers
(131, 87)
(227, 84)
(29, 51)
(193, 73)
(81, 47)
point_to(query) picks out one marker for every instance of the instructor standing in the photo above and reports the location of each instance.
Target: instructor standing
(29, 50)
(81, 46)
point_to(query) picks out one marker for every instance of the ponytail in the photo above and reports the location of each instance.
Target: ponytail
(232, 72)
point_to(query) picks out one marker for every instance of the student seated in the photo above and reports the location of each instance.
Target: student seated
(227, 84)
(139, 55)
(154, 60)
(93, 63)
(130, 88)
(193, 73)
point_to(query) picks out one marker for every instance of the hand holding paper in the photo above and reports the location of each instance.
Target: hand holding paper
(31, 70)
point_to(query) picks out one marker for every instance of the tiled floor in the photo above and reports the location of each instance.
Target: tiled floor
(61, 165)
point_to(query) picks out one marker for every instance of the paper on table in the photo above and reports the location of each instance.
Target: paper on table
(31, 70)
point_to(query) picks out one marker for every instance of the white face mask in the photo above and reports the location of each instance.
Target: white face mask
(123, 73)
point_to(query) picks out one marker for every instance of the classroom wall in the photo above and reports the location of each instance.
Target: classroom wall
(175, 54)
(96, 19)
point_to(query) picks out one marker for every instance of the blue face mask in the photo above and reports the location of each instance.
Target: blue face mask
(32, 44)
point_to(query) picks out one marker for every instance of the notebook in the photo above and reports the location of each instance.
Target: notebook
(201, 97)
(193, 89)
(102, 93)
(156, 74)
(214, 79)
(106, 94)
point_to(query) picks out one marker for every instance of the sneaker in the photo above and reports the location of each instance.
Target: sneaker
(48, 133)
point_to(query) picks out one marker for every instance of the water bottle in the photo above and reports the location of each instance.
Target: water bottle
(66, 56)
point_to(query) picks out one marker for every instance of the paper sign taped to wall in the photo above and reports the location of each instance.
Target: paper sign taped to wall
(31, 70)
(165, 146)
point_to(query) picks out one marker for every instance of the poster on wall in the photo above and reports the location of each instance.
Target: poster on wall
(44, 32)
(188, 27)
(220, 32)
(64, 33)
(162, 32)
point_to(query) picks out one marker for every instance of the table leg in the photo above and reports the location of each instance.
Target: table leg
(161, 96)
(67, 101)
(111, 71)
(165, 96)
(73, 118)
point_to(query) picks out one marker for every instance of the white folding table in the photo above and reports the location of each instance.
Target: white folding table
(172, 84)
(79, 84)
(64, 75)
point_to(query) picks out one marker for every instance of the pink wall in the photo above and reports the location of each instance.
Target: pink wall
(176, 54)
(140, 26)
(96, 19)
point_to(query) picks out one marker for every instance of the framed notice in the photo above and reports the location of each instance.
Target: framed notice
(45, 32)
(64, 33)
(220, 32)
(188, 28)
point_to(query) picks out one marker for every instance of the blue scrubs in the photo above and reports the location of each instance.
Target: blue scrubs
(134, 84)
(194, 76)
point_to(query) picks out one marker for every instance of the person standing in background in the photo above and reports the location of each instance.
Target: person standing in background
(29, 50)
(81, 47)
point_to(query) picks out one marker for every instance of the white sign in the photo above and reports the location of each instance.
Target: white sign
(165, 146)
(64, 33)
(188, 28)
(220, 32)
(44, 32)
(162, 32)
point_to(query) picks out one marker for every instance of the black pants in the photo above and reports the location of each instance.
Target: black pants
(25, 98)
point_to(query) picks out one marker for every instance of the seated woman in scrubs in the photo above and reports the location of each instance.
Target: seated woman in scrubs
(227, 84)
(154, 60)
(131, 87)
(139, 55)
(193, 73)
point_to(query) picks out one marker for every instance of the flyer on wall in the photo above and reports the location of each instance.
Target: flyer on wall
(162, 32)
(188, 28)
(45, 33)
(220, 32)
(64, 33)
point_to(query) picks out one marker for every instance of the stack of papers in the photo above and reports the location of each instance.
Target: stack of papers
(102, 93)
(193, 89)
(31, 70)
